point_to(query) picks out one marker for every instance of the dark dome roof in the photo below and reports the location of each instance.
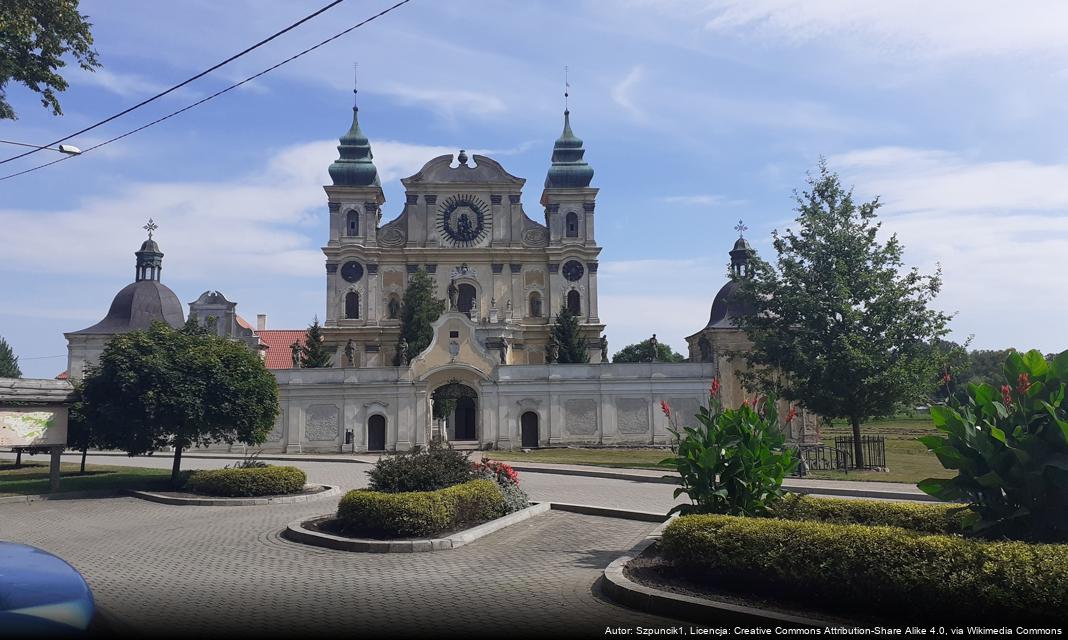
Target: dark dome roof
(725, 308)
(150, 245)
(137, 306)
(741, 244)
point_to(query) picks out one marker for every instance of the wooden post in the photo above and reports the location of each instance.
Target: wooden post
(53, 470)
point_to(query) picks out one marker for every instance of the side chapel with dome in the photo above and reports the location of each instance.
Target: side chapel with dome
(505, 274)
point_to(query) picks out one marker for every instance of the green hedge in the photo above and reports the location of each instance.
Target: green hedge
(904, 574)
(925, 517)
(420, 513)
(255, 481)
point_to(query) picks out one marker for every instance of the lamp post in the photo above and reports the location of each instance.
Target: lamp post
(68, 149)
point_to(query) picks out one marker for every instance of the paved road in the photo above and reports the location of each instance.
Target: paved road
(605, 492)
(170, 570)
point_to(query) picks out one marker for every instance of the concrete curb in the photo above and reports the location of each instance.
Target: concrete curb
(628, 593)
(609, 512)
(328, 490)
(296, 532)
(69, 495)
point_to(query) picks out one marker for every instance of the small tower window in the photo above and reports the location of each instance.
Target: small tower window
(352, 223)
(572, 225)
(574, 302)
(535, 305)
(352, 305)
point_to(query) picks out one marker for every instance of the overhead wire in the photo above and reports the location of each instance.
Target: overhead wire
(212, 96)
(179, 85)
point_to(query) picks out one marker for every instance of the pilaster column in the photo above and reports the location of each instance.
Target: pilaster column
(370, 223)
(592, 298)
(515, 220)
(331, 295)
(335, 221)
(519, 298)
(430, 208)
(501, 224)
(374, 294)
(588, 208)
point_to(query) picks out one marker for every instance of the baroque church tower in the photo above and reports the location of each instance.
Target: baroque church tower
(462, 221)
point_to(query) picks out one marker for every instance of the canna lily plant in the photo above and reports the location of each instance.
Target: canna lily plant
(734, 460)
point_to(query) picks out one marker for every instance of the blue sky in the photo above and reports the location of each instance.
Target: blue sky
(694, 114)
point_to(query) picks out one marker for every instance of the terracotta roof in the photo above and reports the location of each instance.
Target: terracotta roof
(244, 323)
(278, 340)
(63, 376)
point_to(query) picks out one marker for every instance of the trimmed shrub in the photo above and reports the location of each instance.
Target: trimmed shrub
(507, 480)
(419, 513)
(428, 470)
(889, 569)
(251, 481)
(928, 518)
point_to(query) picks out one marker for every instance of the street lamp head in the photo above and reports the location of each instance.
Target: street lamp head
(69, 149)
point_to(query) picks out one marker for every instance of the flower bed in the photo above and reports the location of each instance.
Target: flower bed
(902, 574)
(249, 481)
(419, 513)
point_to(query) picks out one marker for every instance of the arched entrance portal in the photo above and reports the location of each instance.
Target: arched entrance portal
(457, 405)
(376, 433)
(528, 425)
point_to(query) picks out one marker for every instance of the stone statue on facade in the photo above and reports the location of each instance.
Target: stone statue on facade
(350, 353)
(402, 352)
(503, 348)
(655, 344)
(604, 349)
(551, 352)
(393, 308)
(295, 351)
(452, 291)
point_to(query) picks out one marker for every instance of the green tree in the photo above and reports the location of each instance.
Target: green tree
(80, 434)
(34, 37)
(566, 336)
(419, 310)
(313, 355)
(838, 324)
(9, 362)
(177, 388)
(643, 352)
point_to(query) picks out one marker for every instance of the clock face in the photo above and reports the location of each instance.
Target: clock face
(462, 220)
(352, 271)
(573, 270)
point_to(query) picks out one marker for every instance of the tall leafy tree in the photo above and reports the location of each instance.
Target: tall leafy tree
(313, 355)
(35, 35)
(643, 352)
(419, 310)
(177, 388)
(566, 336)
(839, 324)
(9, 362)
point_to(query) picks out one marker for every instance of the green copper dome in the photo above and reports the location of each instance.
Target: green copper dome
(568, 169)
(354, 167)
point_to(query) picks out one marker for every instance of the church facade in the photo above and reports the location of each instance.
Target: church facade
(487, 379)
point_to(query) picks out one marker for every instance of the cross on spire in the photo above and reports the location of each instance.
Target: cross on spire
(150, 227)
(567, 86)
(740, 228)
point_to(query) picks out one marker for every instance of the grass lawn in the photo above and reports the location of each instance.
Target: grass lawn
(908, 460)
(32, 478)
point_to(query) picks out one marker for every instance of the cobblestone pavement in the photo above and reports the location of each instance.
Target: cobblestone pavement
(604, 492)
(190, 571)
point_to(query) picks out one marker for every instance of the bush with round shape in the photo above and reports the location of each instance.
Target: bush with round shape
(244, 482)
(419, 513)
(507, 480)
(925, 517)
(435, 468)
(888, 569)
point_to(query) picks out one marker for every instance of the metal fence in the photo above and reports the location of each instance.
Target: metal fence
(873, 447)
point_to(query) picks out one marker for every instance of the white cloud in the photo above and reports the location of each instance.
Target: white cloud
(910, 28)
(701, 200)
(996, 227)
(447, 103)
(130, 85)
(623, 90)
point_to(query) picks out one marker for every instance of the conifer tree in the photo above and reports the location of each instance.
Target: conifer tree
(313, 355)
(566, 335)
(419, 310)
(9, 362)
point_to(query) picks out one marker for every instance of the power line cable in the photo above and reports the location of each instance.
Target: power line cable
(180, 84)
(214, 95)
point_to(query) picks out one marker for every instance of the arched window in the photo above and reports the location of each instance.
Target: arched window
(572, 225)
(352, 223)
(574, 302)
(466, 299)
(352, 305)
(535, 305)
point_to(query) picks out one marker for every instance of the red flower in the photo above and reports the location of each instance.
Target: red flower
(791, 415)
(666, 408)
(1023, 383)
(946, 378)
(1006, 394)
(745, 402)
(714, 389)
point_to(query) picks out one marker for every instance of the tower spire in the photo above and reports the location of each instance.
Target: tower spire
(567, 85)
(568, 168)
(355, 166)
(149, 257)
